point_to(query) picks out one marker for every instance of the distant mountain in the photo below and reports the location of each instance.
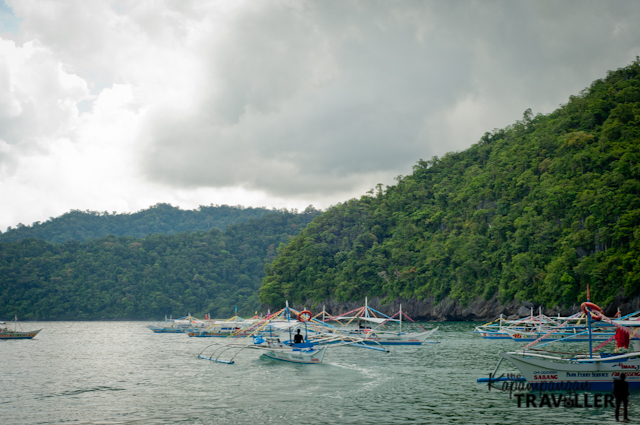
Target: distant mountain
(144, 278)
(535, 211)
(160, 218)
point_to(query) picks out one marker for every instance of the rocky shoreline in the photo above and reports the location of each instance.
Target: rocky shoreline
(453, 310)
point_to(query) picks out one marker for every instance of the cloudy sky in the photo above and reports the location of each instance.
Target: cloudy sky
(118, 105)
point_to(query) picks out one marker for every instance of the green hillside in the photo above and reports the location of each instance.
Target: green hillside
(160, 218)
(535, 211)
(130, 278)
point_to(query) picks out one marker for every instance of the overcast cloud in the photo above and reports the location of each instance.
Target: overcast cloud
(118, 105)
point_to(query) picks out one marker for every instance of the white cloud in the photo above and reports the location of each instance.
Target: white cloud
(117, 105)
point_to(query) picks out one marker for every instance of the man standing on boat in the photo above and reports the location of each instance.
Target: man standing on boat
(299, 339)
(621, 393)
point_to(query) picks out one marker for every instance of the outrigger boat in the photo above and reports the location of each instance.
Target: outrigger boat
(7, 333)
(223, 329)
(493, 330)
(177, 325)
(310, 352)
(505, 329)
(546, 370)
(235, 326)
(307, 353)
(371, 326)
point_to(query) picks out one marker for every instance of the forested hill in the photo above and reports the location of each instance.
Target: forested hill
(160, 218)
(534, 211)
(131, 278)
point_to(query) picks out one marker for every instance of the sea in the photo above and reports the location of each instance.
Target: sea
(122, 373)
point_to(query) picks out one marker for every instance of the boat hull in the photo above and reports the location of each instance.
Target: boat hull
(546, 374)
(495, 335)
(159, 330)
(309, 356)
(18, 335)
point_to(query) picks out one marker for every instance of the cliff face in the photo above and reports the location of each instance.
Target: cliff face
(452, 310)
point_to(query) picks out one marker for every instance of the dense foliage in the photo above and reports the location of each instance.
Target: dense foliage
(160, 218)
(130, 278)
(535, 211)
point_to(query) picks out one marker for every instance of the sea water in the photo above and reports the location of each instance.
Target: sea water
(122, 373)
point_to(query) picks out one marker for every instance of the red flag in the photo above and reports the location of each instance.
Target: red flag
(622, 338)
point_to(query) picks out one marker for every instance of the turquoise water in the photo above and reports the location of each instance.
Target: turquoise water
(122, 373)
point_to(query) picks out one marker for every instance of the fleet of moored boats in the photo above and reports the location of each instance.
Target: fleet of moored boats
(275, 334)
(297, 336)
(589, 369)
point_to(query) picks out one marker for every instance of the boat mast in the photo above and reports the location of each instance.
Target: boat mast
(366, 307)
(589, 323)
(540, 316)
(288, 319)
(306, 331)
(323, 313)
(400, 317)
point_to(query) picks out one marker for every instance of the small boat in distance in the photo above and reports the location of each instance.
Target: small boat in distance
(7, 333)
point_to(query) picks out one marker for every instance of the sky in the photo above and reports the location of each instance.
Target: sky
(117, 105)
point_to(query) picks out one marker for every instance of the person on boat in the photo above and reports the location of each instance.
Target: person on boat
(621, 393)
(298, 338)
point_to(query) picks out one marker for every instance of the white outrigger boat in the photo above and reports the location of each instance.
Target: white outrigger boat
(236, 326)
(493, 330)
(370, 324)
(7, 333)
(298, 353)
(546, 370)
(177, 325)
(505, 329)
